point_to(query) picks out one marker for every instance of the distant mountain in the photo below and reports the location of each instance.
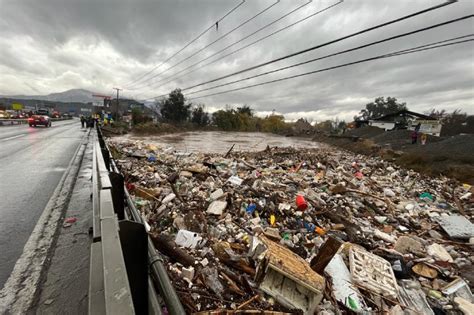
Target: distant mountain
(69, 96)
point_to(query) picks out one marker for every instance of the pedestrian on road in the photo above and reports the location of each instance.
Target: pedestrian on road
(90, 122)
(414, 136)
(83, 120)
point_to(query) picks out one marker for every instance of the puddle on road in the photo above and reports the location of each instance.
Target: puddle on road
(220, 142)
(58, 169)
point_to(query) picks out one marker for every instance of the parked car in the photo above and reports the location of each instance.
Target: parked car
(39, 120)
(13, 114)
(4, 114)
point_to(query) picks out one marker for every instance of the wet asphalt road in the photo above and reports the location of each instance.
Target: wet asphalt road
(32, 162)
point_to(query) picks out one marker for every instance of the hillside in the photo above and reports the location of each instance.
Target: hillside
(69, 96)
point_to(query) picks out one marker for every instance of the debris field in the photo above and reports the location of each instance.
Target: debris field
(303, 231)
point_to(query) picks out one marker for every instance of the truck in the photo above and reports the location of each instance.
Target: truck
(43, 111)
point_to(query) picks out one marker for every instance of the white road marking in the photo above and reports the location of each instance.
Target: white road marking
(14, 137)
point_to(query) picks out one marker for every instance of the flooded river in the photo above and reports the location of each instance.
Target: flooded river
(220, 142)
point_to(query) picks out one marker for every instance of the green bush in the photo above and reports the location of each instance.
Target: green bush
(150, 128)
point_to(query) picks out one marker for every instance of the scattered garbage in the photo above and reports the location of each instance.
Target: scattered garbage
(188, 239)
(372, 272)
(301, 203)
(303, 231)
(286, 276)
(457, 226)
(438, 252)
(344, 292)
(68, 222)
(217, 207)
(48, 302)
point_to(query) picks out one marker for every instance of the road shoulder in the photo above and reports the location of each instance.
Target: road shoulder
(30, 271)
(65, 285)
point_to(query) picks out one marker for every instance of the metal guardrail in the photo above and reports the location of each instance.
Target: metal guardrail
(4, 122)
(124, 261)
(109, 286)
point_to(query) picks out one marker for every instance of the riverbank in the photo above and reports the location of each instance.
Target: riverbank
(452, 157)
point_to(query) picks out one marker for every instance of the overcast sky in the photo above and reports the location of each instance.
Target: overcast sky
(53, 45)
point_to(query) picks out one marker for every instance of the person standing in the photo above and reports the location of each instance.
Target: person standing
(414, 136)
(83, 120)
(423, 138)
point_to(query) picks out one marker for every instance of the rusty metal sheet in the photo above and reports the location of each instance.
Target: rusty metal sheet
(457, 226)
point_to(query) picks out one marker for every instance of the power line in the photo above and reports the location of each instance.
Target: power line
(326, 44)
(322, 45)
(393, 54)
(174, 77)
(215, 41)
(133, 82)
(340, 53)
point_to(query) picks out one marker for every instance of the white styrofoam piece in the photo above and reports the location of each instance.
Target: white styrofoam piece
(372, 272)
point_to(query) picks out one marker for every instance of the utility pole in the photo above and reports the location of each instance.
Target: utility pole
(117, 105)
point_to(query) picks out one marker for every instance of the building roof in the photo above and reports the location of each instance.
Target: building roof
(405, 113)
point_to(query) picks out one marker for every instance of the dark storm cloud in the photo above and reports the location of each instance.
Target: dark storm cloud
(52, 45)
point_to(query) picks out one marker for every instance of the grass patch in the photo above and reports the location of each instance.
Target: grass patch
(461, 168)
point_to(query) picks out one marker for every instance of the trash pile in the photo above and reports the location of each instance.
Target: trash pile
(288, 230)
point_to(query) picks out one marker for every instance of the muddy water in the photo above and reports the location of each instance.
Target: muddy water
(220, 142)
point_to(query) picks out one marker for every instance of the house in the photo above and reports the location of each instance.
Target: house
(406, 119)
(125, 106)
(302, 126)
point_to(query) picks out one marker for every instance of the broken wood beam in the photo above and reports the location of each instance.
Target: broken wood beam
(325, 254)
(166, 245)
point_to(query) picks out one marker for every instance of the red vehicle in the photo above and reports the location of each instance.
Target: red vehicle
(39, 120)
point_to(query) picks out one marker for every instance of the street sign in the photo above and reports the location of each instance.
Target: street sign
(17, 106)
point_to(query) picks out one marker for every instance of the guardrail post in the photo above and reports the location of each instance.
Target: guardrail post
(106, 155)
(134, 240)
(118, 194)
